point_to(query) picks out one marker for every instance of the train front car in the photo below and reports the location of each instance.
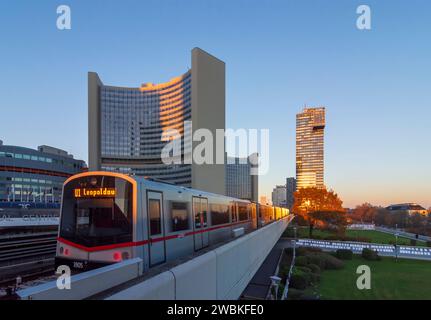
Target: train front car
(96, 223)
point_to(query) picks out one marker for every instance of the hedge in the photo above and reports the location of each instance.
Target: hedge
(295, 294)
(298, 281)
(314, 268)
(332, 262)
(369, 254)
(344, 254)
(301, 261)
(325, 261)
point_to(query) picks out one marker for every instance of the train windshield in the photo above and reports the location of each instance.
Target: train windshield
(97, 210)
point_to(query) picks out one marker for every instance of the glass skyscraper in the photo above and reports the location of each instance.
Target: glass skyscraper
(310, 126)
(132, 123)
(129, 127)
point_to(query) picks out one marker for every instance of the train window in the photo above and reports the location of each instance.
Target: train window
(219, 214)
(242, 212)
(233, 210)
(95, 221)
(179, 216)
(155, 218)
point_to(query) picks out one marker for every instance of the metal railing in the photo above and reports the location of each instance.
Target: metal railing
(292, 265)
(399, 251)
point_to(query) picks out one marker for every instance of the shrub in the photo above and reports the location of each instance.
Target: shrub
(344, 254)
(369, 254)
(280, 291)
(294, 294)
(301, 261)
(314, 268)
(317, 259)
(301, 251)
(284, 272)
(310, 297)
(428, 243)
(289, 233)
(332, 262)
(298, 281)
(314, 277)
(303, 269)
(303, 272)
(325, 261)
(413, 242)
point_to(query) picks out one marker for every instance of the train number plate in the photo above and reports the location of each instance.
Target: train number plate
(78, 264)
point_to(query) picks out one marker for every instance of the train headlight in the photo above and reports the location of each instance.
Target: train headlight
(117, 256)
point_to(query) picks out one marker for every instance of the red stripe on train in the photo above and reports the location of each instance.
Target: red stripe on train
(143, 242)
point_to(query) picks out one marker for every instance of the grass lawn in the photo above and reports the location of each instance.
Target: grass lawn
(390, 279)
(373, 235)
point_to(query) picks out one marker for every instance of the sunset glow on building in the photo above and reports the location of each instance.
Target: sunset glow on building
(310, 125)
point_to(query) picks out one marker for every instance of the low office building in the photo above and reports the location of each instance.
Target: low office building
(290, 192)
(410, 208)
(279, 196)
(240, 181)
(34, 178)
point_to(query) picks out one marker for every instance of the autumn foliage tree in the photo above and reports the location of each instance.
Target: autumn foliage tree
(365, 212)
(318, 206)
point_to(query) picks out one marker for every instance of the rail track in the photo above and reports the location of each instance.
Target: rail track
(26, 256)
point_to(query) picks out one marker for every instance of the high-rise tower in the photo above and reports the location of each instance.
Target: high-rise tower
(310, 126)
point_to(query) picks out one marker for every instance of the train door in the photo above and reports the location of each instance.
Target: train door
(156, 230)
(254, 217)
(200, 216)
(204, 214)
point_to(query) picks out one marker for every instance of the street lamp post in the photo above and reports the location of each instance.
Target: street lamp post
(275, 281)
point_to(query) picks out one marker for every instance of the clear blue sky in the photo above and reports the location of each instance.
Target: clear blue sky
(279, 55)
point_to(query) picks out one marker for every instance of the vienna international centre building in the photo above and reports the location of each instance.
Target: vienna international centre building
(127, 125)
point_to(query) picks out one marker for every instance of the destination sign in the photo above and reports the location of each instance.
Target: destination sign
(95, 192)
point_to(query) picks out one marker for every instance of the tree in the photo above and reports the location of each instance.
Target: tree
(365, 212)
(318, 205)
(332, 219)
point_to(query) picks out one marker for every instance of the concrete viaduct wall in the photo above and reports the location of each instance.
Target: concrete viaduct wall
(222, 273)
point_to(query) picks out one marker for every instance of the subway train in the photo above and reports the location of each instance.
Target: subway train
(109, 217)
